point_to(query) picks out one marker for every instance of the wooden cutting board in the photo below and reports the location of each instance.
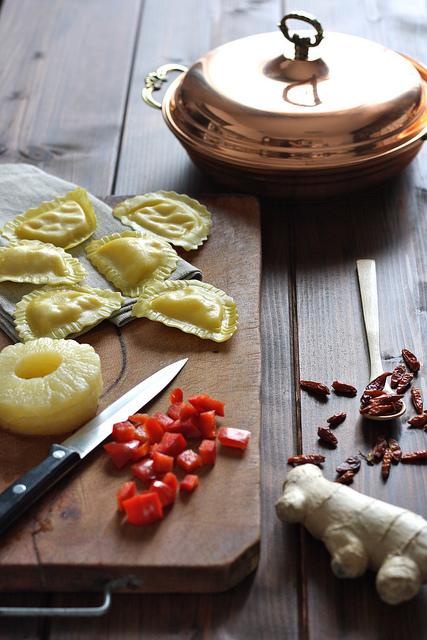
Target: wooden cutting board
(74, 539)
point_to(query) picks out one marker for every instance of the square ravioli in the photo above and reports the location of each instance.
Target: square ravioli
(131, 260)
(64, 222)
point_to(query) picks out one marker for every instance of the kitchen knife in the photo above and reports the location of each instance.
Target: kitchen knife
(63, 457)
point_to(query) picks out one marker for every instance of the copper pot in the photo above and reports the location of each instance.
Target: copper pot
(299, 117)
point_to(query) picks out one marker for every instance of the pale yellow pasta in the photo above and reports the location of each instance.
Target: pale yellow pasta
(131, 260)
(192, 306)
(56, 312)
(176, 217)
(64, 222)
(39, 263)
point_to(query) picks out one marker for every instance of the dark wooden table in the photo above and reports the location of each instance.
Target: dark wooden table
(70, 83)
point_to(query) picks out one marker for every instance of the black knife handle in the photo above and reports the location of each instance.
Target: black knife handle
(32, 485)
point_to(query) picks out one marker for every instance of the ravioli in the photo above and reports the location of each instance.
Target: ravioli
(176, 217)
(56, 312)
(39, 263)
(132, 260)
(64, 222)
(190, 305)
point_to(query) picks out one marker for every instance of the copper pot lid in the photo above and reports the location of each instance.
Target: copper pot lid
(311, 98)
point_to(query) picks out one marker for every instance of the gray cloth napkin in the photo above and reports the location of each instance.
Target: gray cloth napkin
(23, 186)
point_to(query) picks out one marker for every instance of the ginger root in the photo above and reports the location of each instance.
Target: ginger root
(359, 532)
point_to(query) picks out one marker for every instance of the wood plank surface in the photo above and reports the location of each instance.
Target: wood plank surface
(75, 537)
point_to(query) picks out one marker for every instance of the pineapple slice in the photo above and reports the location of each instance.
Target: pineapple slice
(48, 386)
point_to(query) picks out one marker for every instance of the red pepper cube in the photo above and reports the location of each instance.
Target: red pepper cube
(189, 460)
(176, 396)
(123, 431)
(235, 438)
(207, 451)
(207, 424)
(190, 427)
(204, 402)
(122, 452)
(154, 430)
(139, 418)
(176, 427)
(161, 462)
(141, 451)
(166, 493)
(141, 434)
(187, 411)
(189, 483)
(144, 508)
(171, 480)
(164, 419)
(174, 410)
(172, 444)
(144, 470)
(127, 490)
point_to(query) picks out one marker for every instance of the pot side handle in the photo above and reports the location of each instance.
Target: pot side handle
(154, 81)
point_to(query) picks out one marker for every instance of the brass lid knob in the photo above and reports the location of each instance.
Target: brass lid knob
(302, 44)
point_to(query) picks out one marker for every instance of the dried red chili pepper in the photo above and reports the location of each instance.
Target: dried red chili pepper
(385, 468)
(382, 408)
(414, 456)
(346, 478)
(418, 422)
(411, 360)
(398, 372)
(316, 388)
(379, 448)
(343, 389)
(396, 451)
(374, 393)
(417, 399)
(336, 419)
(405, 382)
(375, 384)
(326, 435)
(311, 458)
(350, 464)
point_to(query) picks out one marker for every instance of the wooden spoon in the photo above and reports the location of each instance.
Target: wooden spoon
(368, 292)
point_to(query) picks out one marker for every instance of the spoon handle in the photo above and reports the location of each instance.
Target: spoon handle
(368, 292)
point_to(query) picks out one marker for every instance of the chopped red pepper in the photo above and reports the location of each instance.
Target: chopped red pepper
(171, 480)
(190, 427)
(207, 451)
(187, 411)
(154, 429)
(189, 483)
(204, 402)
(189, 460)
(176, 427)
(123, 431)
(174, 410)
(207, 424)
(144, 470)
(164, 419)
(172, 444)
(141, 434)
(236, 438)
(144, 508)
(176, 395)
(139, 418)
(166, 493)
(161, 462)
(123, 452)
(127, 490)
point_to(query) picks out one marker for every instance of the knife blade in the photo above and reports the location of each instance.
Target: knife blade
(22, 493)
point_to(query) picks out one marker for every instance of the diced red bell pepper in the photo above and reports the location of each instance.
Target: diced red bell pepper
(127, 490)
(174, 410)
(189, 483)
(141, 434)
(154, 429)
(165, 492)
(176, 427)
(139, 418)
(171, 480)
(204, 402)
(190, 427)
(123, 452)
(189, 460)
(161, 462)
(164, 419)
(235, 438)
(144, 470)
(123, 431)
(172, 444)
(187, 411)
(144, 508)
(207, 451)
(207, 424)
(176, 395)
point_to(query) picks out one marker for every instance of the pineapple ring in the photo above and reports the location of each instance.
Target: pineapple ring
(48, 387)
